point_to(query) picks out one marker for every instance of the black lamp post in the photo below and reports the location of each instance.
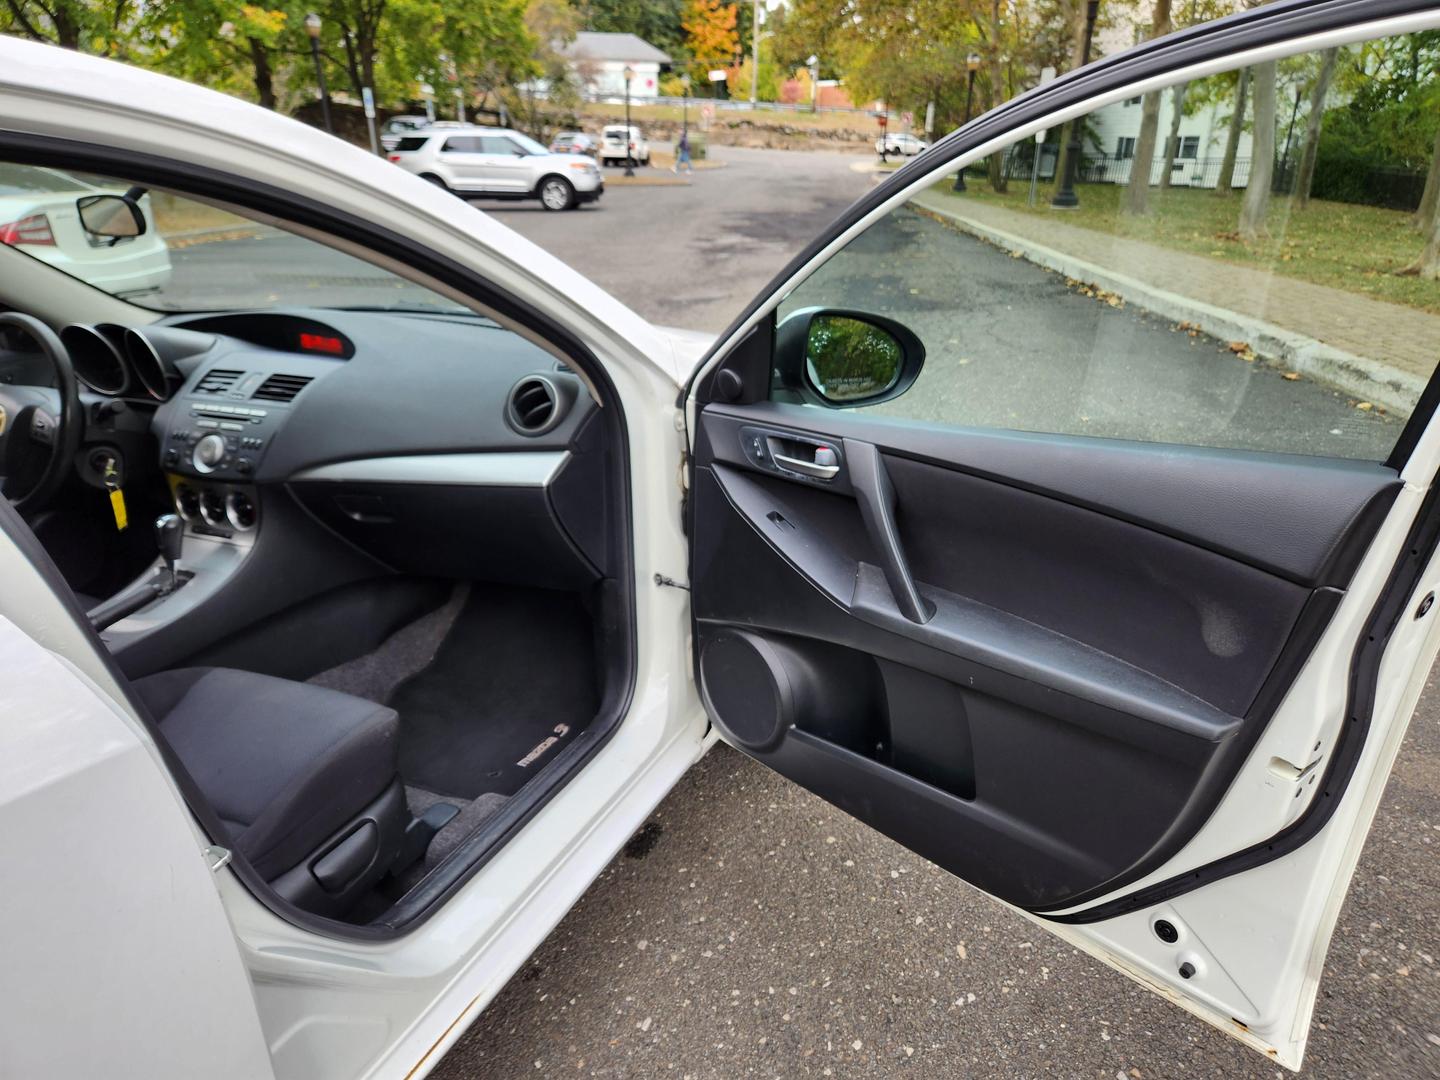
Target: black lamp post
(312, 27)
(1065, 198)
(885, 133)
(972, 65)
(629, 142)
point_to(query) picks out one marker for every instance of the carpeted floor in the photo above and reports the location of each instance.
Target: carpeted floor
(511, 684)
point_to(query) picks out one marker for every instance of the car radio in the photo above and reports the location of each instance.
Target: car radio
(218, 440)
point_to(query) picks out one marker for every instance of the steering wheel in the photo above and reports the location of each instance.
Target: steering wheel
(38, 420)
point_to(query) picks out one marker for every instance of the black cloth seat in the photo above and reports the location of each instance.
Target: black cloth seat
(284, 764)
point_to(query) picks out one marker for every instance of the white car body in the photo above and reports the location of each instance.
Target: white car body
(118, 902)
(613, 138)
(37, 212)
(497, 163)
(901, 143)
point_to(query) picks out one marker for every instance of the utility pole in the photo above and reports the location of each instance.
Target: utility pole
(755, 55)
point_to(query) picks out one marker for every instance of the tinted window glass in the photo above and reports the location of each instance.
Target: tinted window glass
(414, 142)
(463, 144)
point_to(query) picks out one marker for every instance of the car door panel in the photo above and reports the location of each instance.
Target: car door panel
(1099, 658)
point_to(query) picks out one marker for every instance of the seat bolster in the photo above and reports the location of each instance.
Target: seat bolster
(350, 775)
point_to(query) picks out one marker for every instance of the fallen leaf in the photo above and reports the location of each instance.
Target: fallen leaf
(1291, 375)
(1364, 406)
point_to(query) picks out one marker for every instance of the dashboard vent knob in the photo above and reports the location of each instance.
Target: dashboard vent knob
(536, 404)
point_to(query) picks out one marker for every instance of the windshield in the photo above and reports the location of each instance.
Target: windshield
(192, 256)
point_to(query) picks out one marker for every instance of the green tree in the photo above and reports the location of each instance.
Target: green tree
(94, 26)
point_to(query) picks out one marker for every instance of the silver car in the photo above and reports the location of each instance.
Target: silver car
(496, 163)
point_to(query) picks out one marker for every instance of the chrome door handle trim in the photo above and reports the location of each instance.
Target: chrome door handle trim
(806, 468)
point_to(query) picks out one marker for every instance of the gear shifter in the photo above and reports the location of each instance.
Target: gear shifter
(169, 535)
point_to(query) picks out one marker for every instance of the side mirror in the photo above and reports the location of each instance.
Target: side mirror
(846, 358)
(111, 217)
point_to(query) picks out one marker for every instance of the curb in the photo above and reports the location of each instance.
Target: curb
(1359, 376)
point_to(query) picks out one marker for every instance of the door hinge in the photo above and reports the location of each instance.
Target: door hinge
(217, 856)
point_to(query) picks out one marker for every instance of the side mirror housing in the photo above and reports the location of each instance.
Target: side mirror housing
(844, 359)
(111, 217)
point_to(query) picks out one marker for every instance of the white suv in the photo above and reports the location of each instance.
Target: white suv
(613, 150)
(497, 163)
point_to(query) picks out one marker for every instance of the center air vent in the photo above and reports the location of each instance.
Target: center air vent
(536, 404)
(280, 388)
(218, 381)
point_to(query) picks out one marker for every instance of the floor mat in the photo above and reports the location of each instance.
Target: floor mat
(512, 684)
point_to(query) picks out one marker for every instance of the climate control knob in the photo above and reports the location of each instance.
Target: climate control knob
(209, 452)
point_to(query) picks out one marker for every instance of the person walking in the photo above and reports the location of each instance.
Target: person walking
(682, 154)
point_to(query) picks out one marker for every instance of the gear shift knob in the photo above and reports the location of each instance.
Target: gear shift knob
(169, 533)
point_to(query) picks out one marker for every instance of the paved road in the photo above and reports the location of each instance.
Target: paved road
(694, 256)
(751, 930)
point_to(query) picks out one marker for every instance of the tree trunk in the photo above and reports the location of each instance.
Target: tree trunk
(1172, 144)
(1137, 190)
(1306, 175)
(264, 77)
(1262, 157)
(1430, 200)
(1225, 185)
(1428, 265)
(997, 160)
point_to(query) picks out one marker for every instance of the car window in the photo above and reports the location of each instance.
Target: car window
(192, 256)
(497, 144)
(1246, 265)
(529, 145)
(412, 143)
(466, 144)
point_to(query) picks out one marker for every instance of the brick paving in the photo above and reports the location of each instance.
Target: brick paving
(1398, 336)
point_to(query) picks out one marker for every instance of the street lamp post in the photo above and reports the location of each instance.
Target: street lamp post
(629, 141)
(972, 65)
(312, 27)
(1065, 198)
(814, 65)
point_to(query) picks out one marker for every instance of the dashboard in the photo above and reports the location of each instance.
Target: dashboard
(440, 444)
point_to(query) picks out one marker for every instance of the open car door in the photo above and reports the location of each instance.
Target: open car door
(1098, 571)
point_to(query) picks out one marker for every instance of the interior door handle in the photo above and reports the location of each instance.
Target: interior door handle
(876, 497)
(807, 468)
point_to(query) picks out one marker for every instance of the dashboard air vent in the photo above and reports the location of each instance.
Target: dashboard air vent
(280, 388)
(535, 405)
(218, 381)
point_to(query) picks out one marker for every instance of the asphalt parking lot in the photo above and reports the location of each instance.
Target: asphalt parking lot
(751, 930)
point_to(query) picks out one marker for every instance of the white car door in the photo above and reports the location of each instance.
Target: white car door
(1119, 601)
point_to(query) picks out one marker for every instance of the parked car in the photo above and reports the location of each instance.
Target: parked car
(614, 140)
(38, 213)
(461, 542)
(397, 126)
(498, 163)
(901, 143)
(573, 142)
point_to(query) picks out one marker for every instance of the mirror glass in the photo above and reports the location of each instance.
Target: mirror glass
(110, 216)
(849, 359)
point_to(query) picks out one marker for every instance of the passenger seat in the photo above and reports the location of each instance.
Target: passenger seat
(306, 779)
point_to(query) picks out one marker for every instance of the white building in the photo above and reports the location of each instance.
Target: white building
(599, 61)
(1200, 142)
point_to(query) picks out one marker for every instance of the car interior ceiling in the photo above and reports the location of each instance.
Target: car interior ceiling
(396, 592)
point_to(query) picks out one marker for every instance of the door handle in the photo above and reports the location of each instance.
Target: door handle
(806, 468)
(876, 496)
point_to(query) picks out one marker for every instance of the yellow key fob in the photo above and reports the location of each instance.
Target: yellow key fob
(117, 504)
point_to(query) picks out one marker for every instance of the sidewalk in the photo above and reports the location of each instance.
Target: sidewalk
(1378, 351)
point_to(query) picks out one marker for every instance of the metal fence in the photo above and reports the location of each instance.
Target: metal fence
(1109, 169)
(728, 104)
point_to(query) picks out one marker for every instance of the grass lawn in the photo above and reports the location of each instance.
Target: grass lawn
(1355, 248)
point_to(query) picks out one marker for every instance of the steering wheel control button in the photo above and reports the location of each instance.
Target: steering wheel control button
(208, 454)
